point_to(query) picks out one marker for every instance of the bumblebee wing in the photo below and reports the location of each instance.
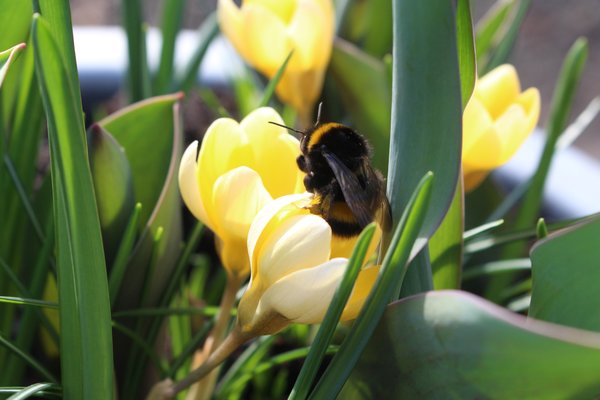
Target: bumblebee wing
(355, 194)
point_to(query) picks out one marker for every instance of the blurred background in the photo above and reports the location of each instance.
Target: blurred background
(550, 28)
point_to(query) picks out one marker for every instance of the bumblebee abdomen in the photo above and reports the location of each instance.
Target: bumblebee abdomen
(342, 221)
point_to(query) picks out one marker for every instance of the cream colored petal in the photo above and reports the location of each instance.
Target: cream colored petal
(303, 296)
(266, 39)
(362, 288)
(274, 150)
(476, 121)
(498, 89)
(264, 217)
(299, 242)
(238, 196)
(188, 185)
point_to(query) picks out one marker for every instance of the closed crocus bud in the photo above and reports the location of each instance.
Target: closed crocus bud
(496, 121)
(293, 277)
(239, 168)
(264, 32)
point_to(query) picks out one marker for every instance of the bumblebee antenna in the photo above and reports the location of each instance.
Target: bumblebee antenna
(319, 113)
(288, 128)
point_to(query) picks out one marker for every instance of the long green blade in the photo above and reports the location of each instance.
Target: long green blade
(426, 83)
(86, 337)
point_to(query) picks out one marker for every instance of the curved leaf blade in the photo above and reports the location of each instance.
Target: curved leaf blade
(452, 344)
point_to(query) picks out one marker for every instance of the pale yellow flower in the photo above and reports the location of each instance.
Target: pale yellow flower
(293, 277)
(496, 121)
(240, 168)
(265, 31)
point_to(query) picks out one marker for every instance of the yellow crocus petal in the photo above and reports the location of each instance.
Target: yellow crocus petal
(310, 31)
(232, 255)
(498, 89)
(266, 39)
(304, 296)
(496, 122)
(231, 24)
(476, 122)
(274, 150)
(188, 185)
(238, 196)
(362, 288)
(284, 9)
(299, 242)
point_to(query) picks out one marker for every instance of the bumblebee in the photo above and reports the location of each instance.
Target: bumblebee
(349, 192)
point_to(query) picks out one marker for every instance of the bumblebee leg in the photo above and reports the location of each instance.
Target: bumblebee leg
(301, 161)
(323, 206)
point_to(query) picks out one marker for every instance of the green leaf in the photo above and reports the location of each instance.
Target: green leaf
(6, 59)
(560, 109)
(87, 365)
(426, 83)
(466, 50)
(446, 245)
(490, 26)
(565, 275)
(150, 134)
(138, 74)
(508, 40)
(113, 187)
(28, 302)
(172, 15)
(377, 40)
(454, 345)
(207, 32)
(270, 89)
(334, 312)
(387, 286)
(369, 110)
(29, 391)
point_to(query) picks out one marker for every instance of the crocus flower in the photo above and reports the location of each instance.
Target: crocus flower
(239, 168)
(293, 277)
(264, 32)
(496, 121)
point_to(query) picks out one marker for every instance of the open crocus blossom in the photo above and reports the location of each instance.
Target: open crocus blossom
(239, 168)
(293, 277)
(264, 32)
(496, 121)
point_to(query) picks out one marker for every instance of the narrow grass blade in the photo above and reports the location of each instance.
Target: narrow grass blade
(35, 364)
(386, 287)
(51, 392)
(319, 346)
(465, 44)
(146, 348)
(581, 123)
(29, 391)
(270, 89)
(559, 113)
(6, 59)
(138, 74)
(234, 380)
(472, 233)
(87, 365)
(187, 352)
(207, 32)
(172, 15)
(123, 253)
(506, 44)
(28, 302)
(208, 311)
(426, 82)
(490, 27)
(58, 15)
(497, 267)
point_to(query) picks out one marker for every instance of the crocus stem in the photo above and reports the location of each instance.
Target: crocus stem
(203, 389)
(234, 340)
